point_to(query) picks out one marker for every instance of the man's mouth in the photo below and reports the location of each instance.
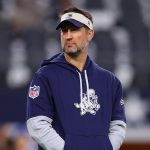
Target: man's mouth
(70, 44)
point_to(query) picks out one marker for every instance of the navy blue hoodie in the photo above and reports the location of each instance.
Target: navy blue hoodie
(81, 104)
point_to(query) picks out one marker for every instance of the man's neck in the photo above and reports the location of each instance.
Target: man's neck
(78, 62)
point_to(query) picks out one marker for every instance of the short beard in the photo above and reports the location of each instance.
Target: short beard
(73, 54)
(77, 53)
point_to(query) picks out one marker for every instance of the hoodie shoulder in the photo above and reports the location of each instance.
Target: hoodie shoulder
(47, 64)
(51, 66)
(105, 72)
(56, 58)
(102, 70)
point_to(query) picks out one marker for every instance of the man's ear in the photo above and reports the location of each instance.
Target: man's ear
(90, 34)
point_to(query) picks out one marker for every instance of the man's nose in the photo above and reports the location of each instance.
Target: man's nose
(69, 34)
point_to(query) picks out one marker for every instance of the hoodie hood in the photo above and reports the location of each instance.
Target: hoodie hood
(60, 60)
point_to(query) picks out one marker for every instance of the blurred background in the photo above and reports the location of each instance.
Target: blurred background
(121, 45)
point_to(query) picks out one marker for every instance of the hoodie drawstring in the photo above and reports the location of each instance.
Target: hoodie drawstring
(81, 91)
(87, 85)
(81, 88)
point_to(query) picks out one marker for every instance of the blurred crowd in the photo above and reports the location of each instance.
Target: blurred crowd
(14, 137)
(121, 45)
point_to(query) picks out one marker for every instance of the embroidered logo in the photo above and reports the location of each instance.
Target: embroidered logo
(34, 91)
(121, 102)
(88, 104)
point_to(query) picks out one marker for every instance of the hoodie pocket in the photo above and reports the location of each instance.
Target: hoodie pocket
(87, 142)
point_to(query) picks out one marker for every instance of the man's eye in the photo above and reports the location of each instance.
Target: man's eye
(71, 29)
(64, 30)
(75, 29)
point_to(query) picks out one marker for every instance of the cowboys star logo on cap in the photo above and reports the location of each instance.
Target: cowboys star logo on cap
(69, 16)
(34, 91)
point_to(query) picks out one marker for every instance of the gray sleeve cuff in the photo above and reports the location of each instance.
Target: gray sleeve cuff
(117, 132)
(40, 129)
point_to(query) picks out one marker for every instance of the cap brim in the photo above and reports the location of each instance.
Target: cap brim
(72, 21)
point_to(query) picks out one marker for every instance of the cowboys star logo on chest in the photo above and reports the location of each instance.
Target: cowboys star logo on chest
(89, 103)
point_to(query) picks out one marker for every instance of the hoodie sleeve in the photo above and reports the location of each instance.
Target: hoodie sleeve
(40, 110)
(39, 99)
(117, 128)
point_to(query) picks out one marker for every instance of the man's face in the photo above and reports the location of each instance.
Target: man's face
(73, 39)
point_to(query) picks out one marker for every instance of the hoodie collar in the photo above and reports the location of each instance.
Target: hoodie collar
(60, 59)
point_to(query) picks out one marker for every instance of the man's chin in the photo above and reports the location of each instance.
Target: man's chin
(73, 54)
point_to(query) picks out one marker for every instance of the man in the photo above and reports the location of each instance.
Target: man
(73, 104)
